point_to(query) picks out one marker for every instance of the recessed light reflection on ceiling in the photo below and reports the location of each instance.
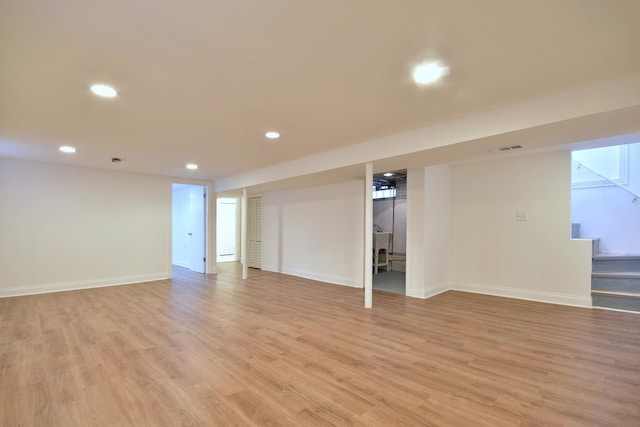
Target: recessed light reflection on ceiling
(67, 149)
(104, 91)
(192, 166)
(388, 174)
(272, 135)
(429, 72)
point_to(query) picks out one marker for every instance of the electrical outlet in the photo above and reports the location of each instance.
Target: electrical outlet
(521, 216)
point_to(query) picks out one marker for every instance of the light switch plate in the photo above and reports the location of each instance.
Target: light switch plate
(521, 216)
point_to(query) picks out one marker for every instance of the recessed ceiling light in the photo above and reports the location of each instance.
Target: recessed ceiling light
(429, 72)
(67, 149)
(272, 135)
(104, 91)
(192, 166)
(388, 174)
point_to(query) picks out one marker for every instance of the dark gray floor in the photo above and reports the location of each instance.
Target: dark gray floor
(390, 281)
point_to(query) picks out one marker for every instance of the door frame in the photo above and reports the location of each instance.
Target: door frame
(237, 203)
(210, 266)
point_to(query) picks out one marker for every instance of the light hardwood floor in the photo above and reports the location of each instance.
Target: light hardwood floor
(278, 350)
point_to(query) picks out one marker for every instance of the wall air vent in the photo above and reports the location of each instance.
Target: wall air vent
(507, 148)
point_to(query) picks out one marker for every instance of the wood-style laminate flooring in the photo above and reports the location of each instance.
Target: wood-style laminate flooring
(277, 350)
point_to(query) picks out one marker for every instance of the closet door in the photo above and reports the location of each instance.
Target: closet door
(254, 231)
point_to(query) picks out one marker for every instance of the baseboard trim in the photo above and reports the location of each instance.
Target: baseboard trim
(334, 280)
(81, 284)
(595, 307)
(428, 293)
(548, 297)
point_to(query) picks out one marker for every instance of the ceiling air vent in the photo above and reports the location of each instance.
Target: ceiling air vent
(507, 148)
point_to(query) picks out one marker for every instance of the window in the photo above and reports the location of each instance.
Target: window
(384, 193)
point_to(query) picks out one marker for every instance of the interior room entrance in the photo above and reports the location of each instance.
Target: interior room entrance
(188, 224)
(390, 231)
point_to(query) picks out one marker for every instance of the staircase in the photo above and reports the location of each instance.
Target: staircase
(615, 282)
(607, 200)
(615, 279)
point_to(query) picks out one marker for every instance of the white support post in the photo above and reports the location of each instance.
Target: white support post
(368, 236)
(244, 235)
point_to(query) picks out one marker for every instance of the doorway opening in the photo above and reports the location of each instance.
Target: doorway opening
(227, 235)
(605, 208)
(188, 226)
(605, 198)
(390, 231)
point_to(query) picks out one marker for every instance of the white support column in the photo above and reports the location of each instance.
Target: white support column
(244, 235)
(368, 236)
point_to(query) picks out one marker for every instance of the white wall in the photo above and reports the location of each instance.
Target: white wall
(608, 213)
(64, 228)
(428, 230)
(536, 259)
(415, 284)
(316, 232)
(181, 220)
(437, 228)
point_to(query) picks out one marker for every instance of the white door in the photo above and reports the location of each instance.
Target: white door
(227, 235)
(254, 231)
(198, 198)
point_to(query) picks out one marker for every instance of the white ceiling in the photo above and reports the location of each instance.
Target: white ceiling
(201, 81)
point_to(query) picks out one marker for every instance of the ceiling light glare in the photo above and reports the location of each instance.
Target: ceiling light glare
(104, 91)
(192, 166)
(388, 174)
(429, 72)
(67, 149)
(272, 135)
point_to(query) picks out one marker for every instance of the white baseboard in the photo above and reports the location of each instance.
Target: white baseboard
(428, 293)
(615, 309)
(334, 280)
(81, 284)
(501, 291)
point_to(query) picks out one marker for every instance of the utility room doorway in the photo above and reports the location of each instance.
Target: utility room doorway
(390, 231)
(188, 226)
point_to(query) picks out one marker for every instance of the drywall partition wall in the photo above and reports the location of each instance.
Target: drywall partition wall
(316, 232)
(67, 228)
(415, 284)
(437, 228)
(608, 211)
(493, 253)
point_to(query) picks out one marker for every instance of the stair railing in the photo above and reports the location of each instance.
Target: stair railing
(634, 195)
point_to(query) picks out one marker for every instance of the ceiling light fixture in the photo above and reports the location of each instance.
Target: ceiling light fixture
(272, 135)
(104, 91)
(429, 72)
(67, 149)
(192, 166)
(388, 174)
